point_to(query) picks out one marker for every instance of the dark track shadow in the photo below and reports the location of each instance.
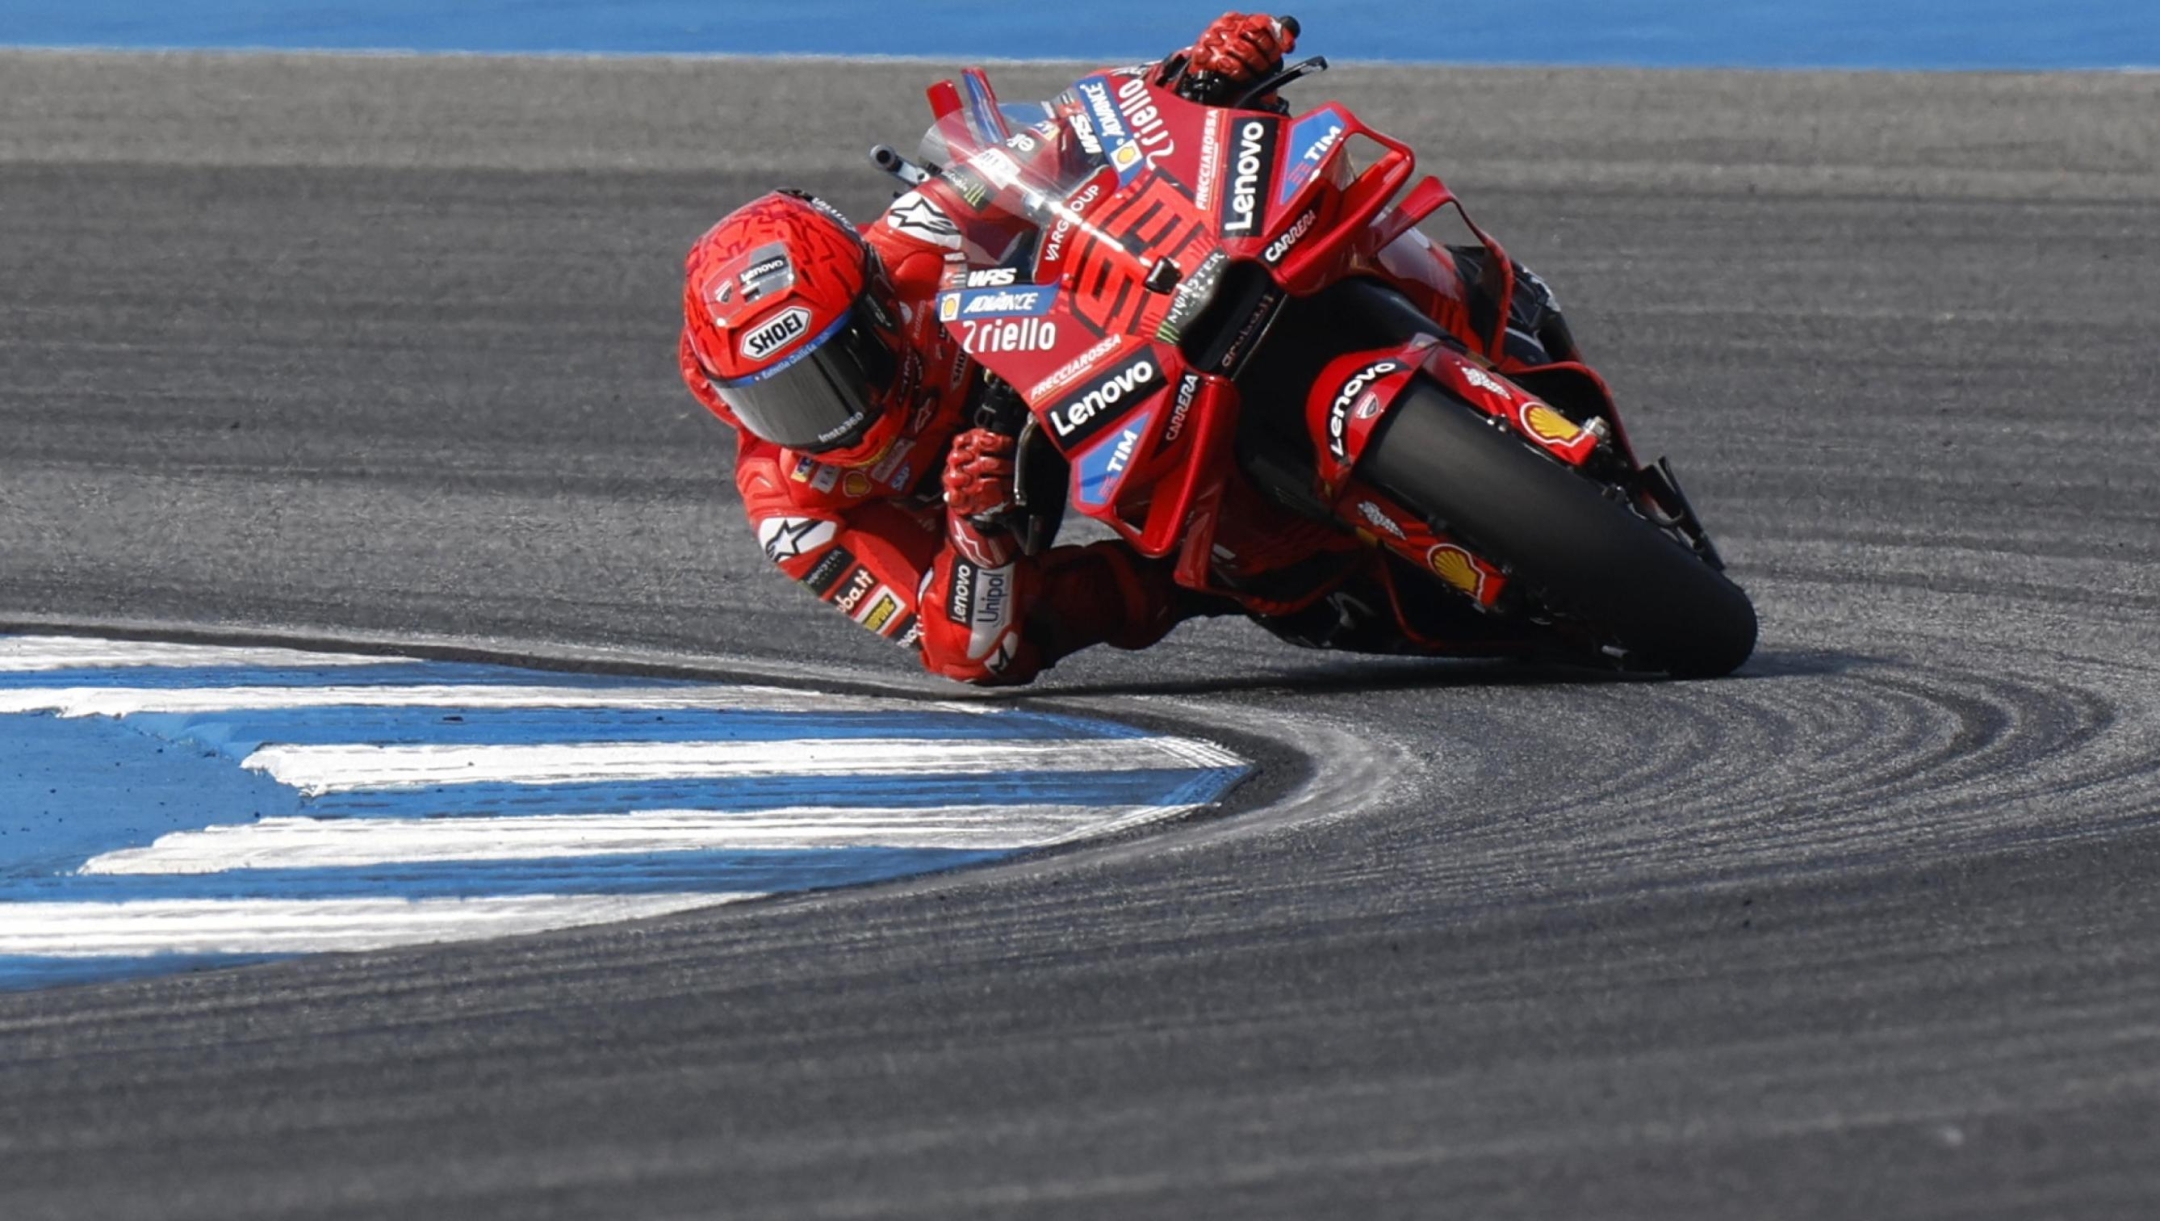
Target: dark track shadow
(1430, 673)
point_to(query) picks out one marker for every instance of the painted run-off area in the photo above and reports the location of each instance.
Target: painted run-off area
(168, 807)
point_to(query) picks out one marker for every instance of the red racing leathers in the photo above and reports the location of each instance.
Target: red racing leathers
(874, 538)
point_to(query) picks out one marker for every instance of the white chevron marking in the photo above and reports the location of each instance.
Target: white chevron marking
(342, 768)
(123, 701)
(304, 926)
(19, 654)
(310, 843)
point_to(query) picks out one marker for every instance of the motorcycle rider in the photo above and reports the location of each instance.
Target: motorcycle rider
(865, 477)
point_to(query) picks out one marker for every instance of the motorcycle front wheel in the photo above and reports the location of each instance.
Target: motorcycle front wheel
(1577, 547)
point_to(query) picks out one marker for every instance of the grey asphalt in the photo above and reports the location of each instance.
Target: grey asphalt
(373, 346)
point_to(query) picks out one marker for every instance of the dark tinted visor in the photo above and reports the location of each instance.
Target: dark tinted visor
(824, 396)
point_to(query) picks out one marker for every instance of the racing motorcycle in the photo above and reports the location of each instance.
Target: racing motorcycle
(1186, 298)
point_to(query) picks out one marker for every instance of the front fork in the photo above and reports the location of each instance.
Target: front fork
(1657, 490)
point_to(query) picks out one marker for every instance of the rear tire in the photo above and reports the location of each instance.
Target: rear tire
(1577, 550)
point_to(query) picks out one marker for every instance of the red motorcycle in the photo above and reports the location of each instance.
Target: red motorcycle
(1182, 296)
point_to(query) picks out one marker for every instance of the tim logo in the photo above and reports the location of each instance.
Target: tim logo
(777, 334)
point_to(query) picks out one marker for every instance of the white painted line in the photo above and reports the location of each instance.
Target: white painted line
(310, 843)
(342, 768)
(123, 701)
(20, 654)
(290, 926)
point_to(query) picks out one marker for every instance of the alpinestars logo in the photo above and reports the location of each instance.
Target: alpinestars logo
(1338, 423)
(777, 334)
(922, 220)
(1251, 164)
(1091, 410)
(785, 538)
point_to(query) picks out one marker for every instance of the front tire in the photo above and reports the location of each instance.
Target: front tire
(1579, 551)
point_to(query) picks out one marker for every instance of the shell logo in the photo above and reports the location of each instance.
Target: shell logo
(1454, 565)
(1549, 425)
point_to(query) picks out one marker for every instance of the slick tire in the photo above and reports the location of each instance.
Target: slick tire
(1580, 551)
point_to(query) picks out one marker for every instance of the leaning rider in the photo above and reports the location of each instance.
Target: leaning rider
(856, 459)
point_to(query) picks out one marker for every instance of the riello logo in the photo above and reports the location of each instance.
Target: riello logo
(777, 334)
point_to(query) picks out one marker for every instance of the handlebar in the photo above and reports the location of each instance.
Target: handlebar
(1261, 89)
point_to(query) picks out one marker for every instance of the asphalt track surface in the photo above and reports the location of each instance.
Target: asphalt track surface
(373, 347)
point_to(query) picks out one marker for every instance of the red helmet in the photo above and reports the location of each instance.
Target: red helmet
(791, 319)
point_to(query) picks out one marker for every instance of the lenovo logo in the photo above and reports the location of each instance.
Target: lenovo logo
(1338, 425)
(1252, 161)
(1083, 414)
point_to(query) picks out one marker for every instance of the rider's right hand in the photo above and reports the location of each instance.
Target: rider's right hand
(1242, 48)
(979, 474)
(1235, 50)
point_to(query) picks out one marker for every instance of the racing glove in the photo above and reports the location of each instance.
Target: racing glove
(978, 491)
(979, 474)
(1234, 51)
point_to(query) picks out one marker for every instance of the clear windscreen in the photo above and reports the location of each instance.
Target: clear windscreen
(1069, 199)
(1028, 171)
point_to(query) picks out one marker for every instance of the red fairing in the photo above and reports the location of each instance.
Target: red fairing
(1350, 399)
(1426, 274)
(1536, 420)
(1382, 522)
